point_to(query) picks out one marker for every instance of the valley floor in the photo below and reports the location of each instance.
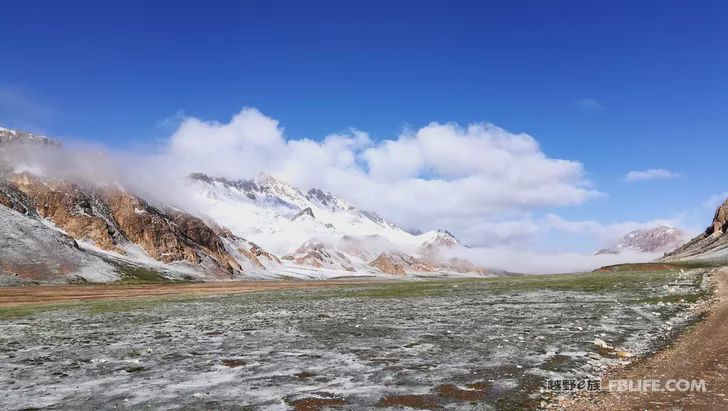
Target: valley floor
(349, 344)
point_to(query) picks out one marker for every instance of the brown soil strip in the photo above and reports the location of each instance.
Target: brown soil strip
(700, 353)
(454, 392)
(418, 402)
(316, 404)
(54, 294)
(233, 363)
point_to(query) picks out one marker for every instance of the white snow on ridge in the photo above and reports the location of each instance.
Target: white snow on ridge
(264, 208)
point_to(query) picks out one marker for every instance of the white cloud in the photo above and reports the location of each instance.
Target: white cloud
(442, 175)
(651, 174)
(529, 232)
(589, 104)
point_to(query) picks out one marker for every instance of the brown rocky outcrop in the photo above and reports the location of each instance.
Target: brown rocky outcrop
(720, 221)
(76, 210)
(317, 254)
(15, 199)
(711, 244)
(463, 266)
(168, 237)
(386, 264)
(398, 263)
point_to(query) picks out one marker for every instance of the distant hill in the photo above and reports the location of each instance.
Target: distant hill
(660, 239)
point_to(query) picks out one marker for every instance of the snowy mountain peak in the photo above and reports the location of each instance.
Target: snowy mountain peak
(281, 189)
(327, 200)
(439, 238)
(269, 205)
(658, 239)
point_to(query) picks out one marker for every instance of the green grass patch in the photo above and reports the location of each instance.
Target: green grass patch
(700, 264)
(668, 266)
(131, 274)
(587, 282)
(7, 313)
(121, 305)
(596, 282)
(95, 307)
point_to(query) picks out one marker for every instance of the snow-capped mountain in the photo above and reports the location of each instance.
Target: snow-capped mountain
(316, 228)
(660, 239)
(282, 218)
(436, 240)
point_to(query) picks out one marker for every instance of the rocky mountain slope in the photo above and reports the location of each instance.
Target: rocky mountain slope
(33, 251)
(660, 239)
(712, 244)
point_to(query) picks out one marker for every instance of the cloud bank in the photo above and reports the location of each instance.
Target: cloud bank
(532, 262)
(441, 175)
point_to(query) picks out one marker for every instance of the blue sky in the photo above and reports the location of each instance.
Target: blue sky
(615, 85)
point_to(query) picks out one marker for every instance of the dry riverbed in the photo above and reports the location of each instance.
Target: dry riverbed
(456, 344)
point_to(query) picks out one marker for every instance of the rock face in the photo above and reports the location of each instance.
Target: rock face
(659, 239)
(712, 244)
(720, 221)
(317, 254)
(386, 264)
(463, 266)
(399, 263)
(305, 212)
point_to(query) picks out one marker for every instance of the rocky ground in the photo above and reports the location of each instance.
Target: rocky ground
(701, 353)
(458, 344)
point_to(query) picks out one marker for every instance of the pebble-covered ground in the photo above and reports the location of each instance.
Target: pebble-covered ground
(466, 344)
